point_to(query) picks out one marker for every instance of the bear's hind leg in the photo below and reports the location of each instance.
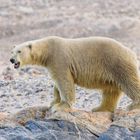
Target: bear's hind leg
(133, 91)
(110, 99)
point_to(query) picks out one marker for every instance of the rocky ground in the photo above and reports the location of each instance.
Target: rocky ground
(39, 123)
(27, 20)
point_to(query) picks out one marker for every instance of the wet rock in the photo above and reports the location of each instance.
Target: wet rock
(125, 126)
(46, 130)
(39, 123)
(127, 119)
(119, 133)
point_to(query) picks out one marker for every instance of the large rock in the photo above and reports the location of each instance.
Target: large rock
(39, 123)
(125, 126)
(46, 130)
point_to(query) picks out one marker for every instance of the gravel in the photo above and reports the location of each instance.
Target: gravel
(33, 86)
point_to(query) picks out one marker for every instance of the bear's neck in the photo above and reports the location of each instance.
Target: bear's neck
(40, 60)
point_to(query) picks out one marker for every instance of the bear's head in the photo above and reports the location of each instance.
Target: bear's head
(21, 55)
(33, 52)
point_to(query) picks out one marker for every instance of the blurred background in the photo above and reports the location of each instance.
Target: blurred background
(23, 20)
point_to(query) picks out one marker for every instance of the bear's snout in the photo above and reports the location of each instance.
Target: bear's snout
(16, 63)
(12, 60)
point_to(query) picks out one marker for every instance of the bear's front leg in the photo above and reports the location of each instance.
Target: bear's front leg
(57, 98)
(65, 84)
(62, 106)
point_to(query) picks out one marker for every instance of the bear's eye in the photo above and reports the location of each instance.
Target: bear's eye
(30, 46)
(18, 51)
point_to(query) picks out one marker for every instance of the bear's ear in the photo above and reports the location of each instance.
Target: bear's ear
(30, 46)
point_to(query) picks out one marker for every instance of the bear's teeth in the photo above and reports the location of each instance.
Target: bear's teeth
(16, 65)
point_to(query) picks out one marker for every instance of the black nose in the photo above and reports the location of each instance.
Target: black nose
(12, 60)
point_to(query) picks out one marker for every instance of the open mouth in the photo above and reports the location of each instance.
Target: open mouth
(16, 65)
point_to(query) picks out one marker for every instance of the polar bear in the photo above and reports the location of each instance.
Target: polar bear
(93, 62)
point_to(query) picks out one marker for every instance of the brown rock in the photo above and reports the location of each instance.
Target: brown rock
(3, 116)
(5, 120)
(96, 123)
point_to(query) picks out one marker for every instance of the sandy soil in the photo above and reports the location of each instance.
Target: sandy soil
(27, 20)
